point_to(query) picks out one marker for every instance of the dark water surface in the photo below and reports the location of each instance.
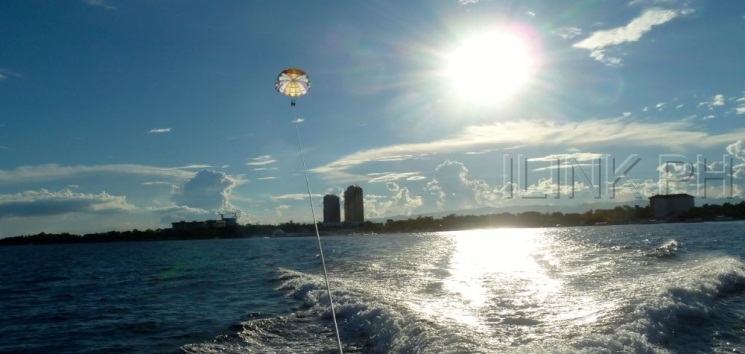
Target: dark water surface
(637, 288)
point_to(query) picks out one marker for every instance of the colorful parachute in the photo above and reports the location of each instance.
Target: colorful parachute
(292, 82)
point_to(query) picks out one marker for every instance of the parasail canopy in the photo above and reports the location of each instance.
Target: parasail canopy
(292, 82)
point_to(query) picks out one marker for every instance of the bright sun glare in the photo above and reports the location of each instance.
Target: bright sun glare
(489, 67)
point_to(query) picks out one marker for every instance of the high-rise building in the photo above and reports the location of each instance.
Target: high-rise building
(331, 211)
(354, 212)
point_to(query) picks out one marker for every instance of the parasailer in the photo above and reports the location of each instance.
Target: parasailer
(292, 82)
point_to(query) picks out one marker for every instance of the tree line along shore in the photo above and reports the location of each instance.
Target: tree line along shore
(618, 215)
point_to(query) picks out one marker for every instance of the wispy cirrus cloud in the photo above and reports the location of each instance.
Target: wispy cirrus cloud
(50, 172)
(159, 130)
(46, 203)
(578, 156)
(294, 196)
(600, 41)
(568, 32)
(740, 109)
(5, 74)
(261, 161)
(100, 3)
(609, 132)
(380, 177)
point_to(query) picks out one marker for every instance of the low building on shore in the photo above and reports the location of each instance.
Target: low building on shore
(667, 206)
(207, 224)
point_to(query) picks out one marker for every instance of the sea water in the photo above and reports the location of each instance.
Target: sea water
(663, 288)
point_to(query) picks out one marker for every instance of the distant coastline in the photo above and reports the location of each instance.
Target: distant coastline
(616, 216)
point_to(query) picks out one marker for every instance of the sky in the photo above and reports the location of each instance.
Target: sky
(121, 115)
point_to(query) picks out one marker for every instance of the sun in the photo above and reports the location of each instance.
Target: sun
(489, 67)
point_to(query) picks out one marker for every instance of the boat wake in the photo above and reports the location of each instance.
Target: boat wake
(668, 249)
(369, 320)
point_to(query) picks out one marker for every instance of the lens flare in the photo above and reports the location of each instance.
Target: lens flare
(489, 67)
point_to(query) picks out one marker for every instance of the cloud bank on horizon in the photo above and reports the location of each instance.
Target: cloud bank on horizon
(92, 130)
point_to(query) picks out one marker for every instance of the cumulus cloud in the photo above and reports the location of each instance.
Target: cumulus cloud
(452, 187)
(600, 41)
(400, 201)
(737, 149)
(280, 209)
(207, 190)
(46, 203)
(718, 100)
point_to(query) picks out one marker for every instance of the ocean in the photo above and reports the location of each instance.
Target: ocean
(661, 288)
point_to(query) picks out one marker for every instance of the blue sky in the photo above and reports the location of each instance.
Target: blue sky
(118, 115)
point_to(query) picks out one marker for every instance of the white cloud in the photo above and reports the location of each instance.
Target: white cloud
(454, 190)
(294, 196)
(737, 149)
(192, 167)
(176, 213)
(261, 161)
(578, 156)
(279, 209)
(653, 2)
(46, 203)
(718, 100)
(4, 74)
(159, 130)
(100, 3)
(401, 201)
(611, 131)
(392, 176)
(51, 172)
(600, 41)
(451, 186)
(208, 190)
(480, 152)
(568, 32)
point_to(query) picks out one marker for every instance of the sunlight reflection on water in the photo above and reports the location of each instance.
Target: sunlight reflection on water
(493, 276)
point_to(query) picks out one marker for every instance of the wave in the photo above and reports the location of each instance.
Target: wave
(667, 249)
(369, 322)
(658, 317)
(681, 316)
